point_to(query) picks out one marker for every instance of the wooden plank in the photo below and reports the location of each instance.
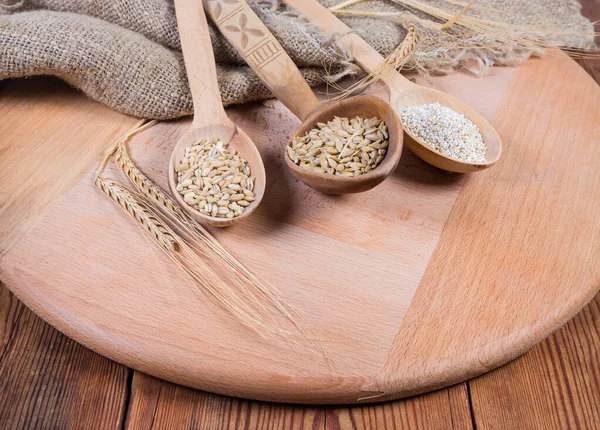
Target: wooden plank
(443, 409)
(555, 385)
(503, 236)
(491, 256)
(143, 401)
(159, 404)
(50, 136)
(50, 381)
(590, 9)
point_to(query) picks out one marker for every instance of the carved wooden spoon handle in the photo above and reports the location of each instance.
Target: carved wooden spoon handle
(363, 53)
(263, 53)
(199, 63)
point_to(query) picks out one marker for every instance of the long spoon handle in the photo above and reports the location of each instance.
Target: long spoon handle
(263, 53)
(199, 63)
(363, 53)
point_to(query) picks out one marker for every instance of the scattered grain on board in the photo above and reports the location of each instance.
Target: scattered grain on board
(214, 180)
(342, 147)
(446, 131)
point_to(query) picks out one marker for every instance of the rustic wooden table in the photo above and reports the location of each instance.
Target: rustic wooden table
(50, 381)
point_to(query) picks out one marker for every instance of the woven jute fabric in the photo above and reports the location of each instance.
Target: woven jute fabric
(126, 54)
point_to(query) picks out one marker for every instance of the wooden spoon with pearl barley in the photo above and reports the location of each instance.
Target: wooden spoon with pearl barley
(210, 119)
(403, 92)
(264, 54)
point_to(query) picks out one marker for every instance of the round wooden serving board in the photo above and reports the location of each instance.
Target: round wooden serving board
(428, 279)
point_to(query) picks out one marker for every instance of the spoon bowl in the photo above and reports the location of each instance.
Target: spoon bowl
(210, 119)
(235, 138)
(363, 106)
(280, 74)
(416, 95)
(403, 92)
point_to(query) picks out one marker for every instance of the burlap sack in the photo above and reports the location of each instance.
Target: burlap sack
(126, 54)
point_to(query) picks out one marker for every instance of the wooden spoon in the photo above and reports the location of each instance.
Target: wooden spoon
(261, 50)
(210, 119)
(403, 92)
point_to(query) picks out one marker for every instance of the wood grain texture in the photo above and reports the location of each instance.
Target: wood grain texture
(263, 53)
(49, 381)
(590, 9)
(443, 409)
(157, 404)
(198, 344)
(276, 225)
(403, 92)
(50, 136)
(143, 401)
(512, 224)
(556, 385)
(201, 71)
(210, 119)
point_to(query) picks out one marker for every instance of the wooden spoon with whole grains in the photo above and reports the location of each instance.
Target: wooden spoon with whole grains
(253, 40)
(210, 120)
(404, 93)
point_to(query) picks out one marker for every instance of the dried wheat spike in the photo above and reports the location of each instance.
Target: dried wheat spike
(145, 185)
(406, 47)
(143, 216)
(394, 61)
(249, 286)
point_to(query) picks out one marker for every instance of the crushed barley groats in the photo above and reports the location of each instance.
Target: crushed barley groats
(446, 131)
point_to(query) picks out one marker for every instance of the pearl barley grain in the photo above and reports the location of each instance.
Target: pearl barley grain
(446, 131)
(214, 180)
(342, 147)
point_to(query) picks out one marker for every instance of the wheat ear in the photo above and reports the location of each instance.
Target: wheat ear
(538, 35)
(398, 57)
(144, 184)
(144, 217)
(205, 279)
(244, 278)
(137, 128)
(149, 188)
(392, 63)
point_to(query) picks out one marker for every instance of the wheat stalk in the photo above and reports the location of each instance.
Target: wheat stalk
(205, 278)
(209, 246)
(143, 216)
(534, 37)
(241, 294)
(392, 63)
(456, 17)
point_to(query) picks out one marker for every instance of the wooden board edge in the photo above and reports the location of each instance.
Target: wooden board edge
(499, 354)
(374, 394)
